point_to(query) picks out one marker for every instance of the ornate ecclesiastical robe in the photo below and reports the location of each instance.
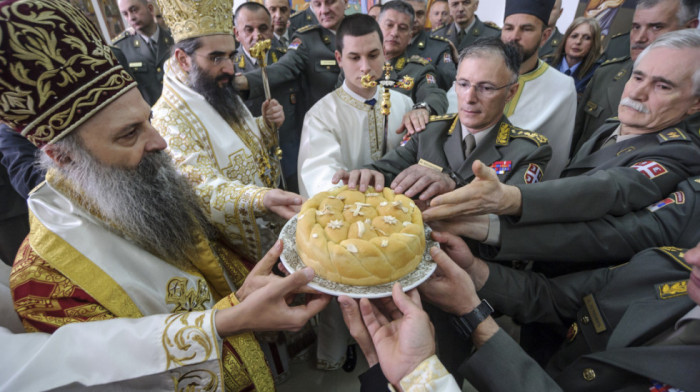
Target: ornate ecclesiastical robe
(230, 167)
(341, 131)
(546, 103)
(73, 268)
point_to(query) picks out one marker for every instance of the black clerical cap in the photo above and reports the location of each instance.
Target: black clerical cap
(539, 8)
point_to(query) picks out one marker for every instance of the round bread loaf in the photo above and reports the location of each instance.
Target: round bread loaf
(360, 239)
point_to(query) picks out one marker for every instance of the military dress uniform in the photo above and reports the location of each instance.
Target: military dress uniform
(600, 99)
(287, 95)
(515, 154)
(552, 44)
(675, 219)
(626, 176)
(425, 88)
(618, 321)
(145, 65)
(618, 46)
(438, 52)
(478, 30)
(310, 59)
(301, 19)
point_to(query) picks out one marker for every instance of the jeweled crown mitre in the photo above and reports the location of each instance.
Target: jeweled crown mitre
(198, 18)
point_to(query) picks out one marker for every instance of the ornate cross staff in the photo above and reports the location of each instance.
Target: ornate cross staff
(259, 51)
(406, 83)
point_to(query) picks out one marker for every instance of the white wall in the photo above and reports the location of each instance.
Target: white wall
(493, 10)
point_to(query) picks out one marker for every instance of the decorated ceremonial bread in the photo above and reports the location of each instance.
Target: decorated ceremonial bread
(357, 238)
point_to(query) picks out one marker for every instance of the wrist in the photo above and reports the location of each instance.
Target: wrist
(468, 322)
(513, 199)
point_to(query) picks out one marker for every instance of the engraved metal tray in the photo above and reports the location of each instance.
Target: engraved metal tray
(292, 262)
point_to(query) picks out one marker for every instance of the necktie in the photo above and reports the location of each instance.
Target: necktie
(371, 102)
(154, 48)
(568, 72)
(460, 37)
(468, 144)
(284, 41)
(611, 140)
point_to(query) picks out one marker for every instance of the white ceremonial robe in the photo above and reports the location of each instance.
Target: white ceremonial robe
(342, 132)
(546, 103)
(229, 168)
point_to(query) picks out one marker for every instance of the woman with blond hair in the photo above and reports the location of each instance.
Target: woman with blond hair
(578, 56)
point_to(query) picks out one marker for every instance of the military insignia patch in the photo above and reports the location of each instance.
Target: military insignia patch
(674, 198)
(447, 58)
(406, 138)
(672, 289)
(405, 83)
(294, 44)
(430, 79)
(429, 58)
(501, 167)
(533, 174)
(651, 169)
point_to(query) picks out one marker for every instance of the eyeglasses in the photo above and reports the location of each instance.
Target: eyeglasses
(219, 60)
(483, 89)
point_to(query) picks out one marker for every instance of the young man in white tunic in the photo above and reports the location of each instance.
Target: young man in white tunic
(345, 129)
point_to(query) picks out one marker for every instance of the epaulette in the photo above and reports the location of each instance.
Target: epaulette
(492, 25)
(418, 59)
(308, 28)
(619, 35)
(440, 38)
(434, 29)
(281, 49)
(535, 137)
(677, 255)
(121, 36)
(672, 135)
(615, 60)
(301, 9)
(443, 117)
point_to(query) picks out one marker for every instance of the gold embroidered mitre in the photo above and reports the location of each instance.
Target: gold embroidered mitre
(56, 71)
(190, 19)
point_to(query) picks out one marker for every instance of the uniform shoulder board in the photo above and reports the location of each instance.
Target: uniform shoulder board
(301, 10)
(440, 38)
(532, 136)
(418, 59)
(308, 28)
(281, 49)
(677, 255)
(121, 36)
(443, 117)
(672, 135)
(695, 183)
(492, 25)
(618, 35)
(615, 60)
(436, 28)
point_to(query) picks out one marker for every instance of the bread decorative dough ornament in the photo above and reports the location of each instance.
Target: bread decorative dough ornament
(361, 239)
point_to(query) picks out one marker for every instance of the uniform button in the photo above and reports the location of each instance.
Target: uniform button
(158, 69)
(585, 319)
(588, 374)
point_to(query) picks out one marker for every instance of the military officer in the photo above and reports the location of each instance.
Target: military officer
(467, 27)
(280, 12)
(146, 47)
(253, 22)
(396, 21)
(602, 95)
(436, 50)
(631, 327)
(440, 158)
(310, 59)
(438, 14)
(618, 46)
(550, 46)
(302, 18)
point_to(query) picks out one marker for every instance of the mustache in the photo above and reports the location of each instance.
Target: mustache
(636, 105)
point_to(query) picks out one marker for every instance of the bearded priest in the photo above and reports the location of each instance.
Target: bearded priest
(225, 153)
(116, 232)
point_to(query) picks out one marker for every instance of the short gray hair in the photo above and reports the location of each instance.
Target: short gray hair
(679, 39)
(687, 10)
(494, 46)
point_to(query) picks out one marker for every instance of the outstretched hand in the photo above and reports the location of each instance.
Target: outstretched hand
(283, 203)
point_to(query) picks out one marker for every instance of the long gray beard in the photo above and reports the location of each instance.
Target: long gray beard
(151, 205)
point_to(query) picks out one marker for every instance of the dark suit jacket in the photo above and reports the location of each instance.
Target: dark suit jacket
(636, 302)
(607, 181)
(441, 144)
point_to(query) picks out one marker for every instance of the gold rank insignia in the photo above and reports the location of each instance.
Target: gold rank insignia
(137, 43)
(534, 136)
(443, 117)
(400, 63)
(670, 290)
(620, 74)
(326, 39)
(503, 135)
(677, 255)
(555, 42)
(671, 135)
(421, 44)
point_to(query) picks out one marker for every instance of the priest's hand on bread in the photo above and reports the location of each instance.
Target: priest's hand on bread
(423, 180)
(265, 298)
(484, 195)
(283, 203)
(360, 179)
